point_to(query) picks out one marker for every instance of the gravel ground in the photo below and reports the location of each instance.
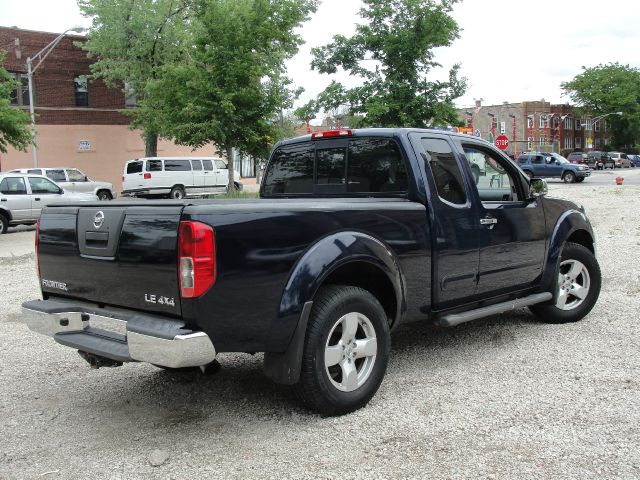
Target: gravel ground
(505, 397)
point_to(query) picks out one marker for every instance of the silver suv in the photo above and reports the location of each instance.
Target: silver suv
(22, 197)
(73, 180)
(620, 159)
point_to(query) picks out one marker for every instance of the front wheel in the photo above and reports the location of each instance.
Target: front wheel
(580, 180)
(4, 224)
(177, 193)
(346, 351)
(568, 177)
(577, 286)
(104, 195)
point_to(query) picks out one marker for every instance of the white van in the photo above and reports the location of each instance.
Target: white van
(176, 177)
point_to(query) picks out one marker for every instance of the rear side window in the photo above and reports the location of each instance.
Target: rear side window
(207, 164)
(537, 159)
(221, 165)
(376, 165)
(13, 186)
(76, 175)
(196, 164)
(177, 166)
(56, 175)
(35, 171)
(446, 171)
(290, 170)
(522, 159)
(134, 167)
(154, 165)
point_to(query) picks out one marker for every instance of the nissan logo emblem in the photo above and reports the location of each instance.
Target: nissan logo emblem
(98, 220)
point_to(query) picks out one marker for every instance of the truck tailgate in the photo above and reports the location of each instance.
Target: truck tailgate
(119, 254)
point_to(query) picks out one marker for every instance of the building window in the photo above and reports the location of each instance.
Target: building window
(544, 121)
(588, 124)
(568, 123)
(597, 143)
(82, 91)
(529, 142)
(578, 142)
(556, 122)
(568, 142)
(596, 126)
(577, 124)
(542, 141)
(529, 121)
(20, 94)
(130, 98)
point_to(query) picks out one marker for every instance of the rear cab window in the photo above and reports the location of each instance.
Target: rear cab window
(357, 165)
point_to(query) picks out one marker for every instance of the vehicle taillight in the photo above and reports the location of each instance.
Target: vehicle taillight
(196, 258)
(37, 245)
(147, 176)
(123, 178)
(332, 133)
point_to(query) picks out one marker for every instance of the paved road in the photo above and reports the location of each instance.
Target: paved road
(608, 177)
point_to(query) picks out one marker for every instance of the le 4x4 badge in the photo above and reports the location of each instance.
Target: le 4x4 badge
(159, 299)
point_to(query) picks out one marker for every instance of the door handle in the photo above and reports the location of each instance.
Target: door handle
(37, 199)
(3, 199)
(488, 221)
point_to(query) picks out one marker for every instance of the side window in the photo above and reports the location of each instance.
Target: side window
(537, 159)
(134, 167)
(177, 166)
(13, 186)
(522, 159)
(221, 165)
(56, 175)
(208, 165)
(81, 85)
(196, 164)
(154, 166)
(497, 184)
(76, 175)
(35, 171)
(331, 166)
(41, 185)
(446, 171)
(290, 170)
(376, 165)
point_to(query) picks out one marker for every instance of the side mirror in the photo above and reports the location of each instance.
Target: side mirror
(538, 187)
(61, 191)
(86, 179)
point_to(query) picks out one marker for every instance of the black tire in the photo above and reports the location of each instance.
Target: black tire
(104, 195)
(529, 173)
(177, 193)
(612, 165)
(569, 177)
(4, 223)
(551, 312)
(319, 386)
(579, 180)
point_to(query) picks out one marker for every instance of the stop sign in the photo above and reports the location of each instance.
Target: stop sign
(502, 142)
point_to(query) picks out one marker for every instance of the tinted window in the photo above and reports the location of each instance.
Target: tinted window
(134, 167)
(207, 164)
(290, 170)
(177, 166)
(330, 166)
(445, 170)
(56, 175)
(13, 186)
(35, 171)
(196, 164)
(536, 159)
(76, 176)
(42, 185)
(375, 165)
(154, 165)
(522, 159)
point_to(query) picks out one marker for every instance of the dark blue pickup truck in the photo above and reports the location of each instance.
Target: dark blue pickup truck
(355, 233)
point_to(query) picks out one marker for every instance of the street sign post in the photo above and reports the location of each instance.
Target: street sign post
(502, 142)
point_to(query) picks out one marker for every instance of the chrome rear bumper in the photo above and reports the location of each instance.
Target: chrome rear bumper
(120, 335)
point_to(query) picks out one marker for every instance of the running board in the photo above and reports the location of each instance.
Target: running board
(454, 319)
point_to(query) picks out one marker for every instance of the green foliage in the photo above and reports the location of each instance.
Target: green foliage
(234, 88)
(132, 40)
(606, 89)
(14, 123)
(393, 52)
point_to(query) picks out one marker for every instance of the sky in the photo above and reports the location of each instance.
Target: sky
(509, 51)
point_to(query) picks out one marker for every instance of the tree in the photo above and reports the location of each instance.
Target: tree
(14, 123)
(606, 89)
(132, 41)
(233, 90)
(393, 53)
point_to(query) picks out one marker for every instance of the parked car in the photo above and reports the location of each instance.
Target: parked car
(598, 160)
(577, 157)
(355, 233)
(23, 196)
(74, 181)
(620, 159)
(634, 160)
(548, 165)
(176, 177)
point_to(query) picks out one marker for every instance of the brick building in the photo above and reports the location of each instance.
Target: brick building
(536, 125)
(79, 122)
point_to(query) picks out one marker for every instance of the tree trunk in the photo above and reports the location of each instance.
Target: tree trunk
(231, 184)
(150, 144)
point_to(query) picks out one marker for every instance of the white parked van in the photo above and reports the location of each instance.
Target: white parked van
(176, 177)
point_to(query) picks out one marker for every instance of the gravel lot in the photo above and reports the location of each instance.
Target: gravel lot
(505, 397)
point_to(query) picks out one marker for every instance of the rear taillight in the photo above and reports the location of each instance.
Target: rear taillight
(147, 176)
(123, 178)
(37, 245)
(196, 258)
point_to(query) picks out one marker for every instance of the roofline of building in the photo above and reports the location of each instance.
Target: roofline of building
(17, 29)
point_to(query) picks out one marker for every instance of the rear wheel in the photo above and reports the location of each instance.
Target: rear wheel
(612, 165)
(568, 177)
(104, 195)
(4, 223)
(580, 180)
(577, 287)
(346, 351)
(177, 193)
